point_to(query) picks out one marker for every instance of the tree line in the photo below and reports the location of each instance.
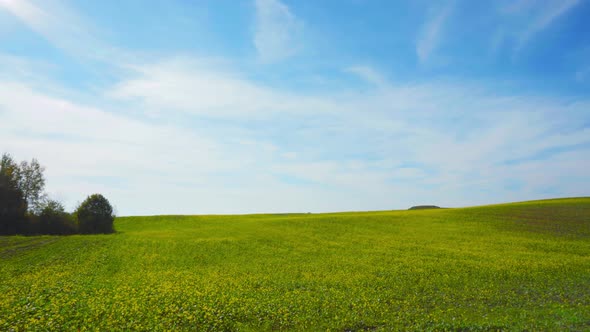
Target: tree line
(26, 209)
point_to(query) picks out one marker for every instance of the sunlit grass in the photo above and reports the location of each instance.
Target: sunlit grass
(515, 266)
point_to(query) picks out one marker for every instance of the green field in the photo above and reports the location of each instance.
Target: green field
(501, 267)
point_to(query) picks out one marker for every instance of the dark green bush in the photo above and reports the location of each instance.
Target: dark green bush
(424, 207)
(54, 220)
(95, 215)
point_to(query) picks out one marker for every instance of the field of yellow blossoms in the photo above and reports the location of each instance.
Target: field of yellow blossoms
(503, 267)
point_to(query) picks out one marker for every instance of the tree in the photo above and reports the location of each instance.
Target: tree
(32, 182)
(95, 215)
(12, 203)
(53, 219)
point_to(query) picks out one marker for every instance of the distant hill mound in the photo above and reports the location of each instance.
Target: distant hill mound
(424, 207)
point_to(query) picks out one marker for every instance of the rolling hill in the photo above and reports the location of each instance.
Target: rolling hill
(511, 266)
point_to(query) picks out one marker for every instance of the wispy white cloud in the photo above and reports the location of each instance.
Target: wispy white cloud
(18, 67)
(202, 88)
(277, 31)
(27, 12)
(88, 149)
(368, 74)
(450, 129)
(432, 33)
(550, 13)
(522, 21)
(62, 27)
(398, 145)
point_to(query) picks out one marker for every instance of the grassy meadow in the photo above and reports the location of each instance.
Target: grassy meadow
(500, 267)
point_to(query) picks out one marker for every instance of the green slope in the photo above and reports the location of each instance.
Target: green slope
(499, 267)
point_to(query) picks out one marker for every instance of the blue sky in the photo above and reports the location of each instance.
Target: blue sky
(193, 107)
